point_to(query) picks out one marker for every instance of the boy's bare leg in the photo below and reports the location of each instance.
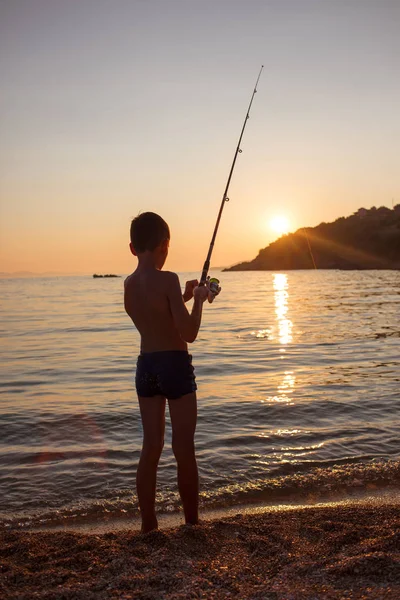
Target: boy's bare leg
(152, 411)
(183, 412)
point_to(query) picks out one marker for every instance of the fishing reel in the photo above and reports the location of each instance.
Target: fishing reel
(213, 285)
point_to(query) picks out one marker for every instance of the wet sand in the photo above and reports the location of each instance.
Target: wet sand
(349, 551)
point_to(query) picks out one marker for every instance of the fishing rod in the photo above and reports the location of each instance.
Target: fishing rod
(214, 282)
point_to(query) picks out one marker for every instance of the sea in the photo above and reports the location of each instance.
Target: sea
(298, 378)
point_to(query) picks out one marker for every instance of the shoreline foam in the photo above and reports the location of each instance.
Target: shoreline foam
(129, 522)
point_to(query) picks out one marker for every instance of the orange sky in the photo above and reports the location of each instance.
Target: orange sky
(110, 112)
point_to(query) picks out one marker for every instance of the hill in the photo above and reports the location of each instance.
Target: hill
(368, 239)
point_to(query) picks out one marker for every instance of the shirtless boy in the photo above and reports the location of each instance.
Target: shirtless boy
(154, 301)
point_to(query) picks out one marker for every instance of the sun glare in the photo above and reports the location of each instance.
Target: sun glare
(279, 224)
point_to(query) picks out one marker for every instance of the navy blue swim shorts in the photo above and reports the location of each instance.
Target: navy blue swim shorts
(169, 373)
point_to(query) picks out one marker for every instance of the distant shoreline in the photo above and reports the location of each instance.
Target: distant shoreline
(32, 274)
(224, 270)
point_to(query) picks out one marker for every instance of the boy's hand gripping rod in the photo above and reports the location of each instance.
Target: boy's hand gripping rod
(213, 283)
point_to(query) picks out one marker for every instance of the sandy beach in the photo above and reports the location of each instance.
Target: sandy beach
(348, 551)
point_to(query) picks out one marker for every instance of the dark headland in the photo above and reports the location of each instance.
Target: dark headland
(367, 239)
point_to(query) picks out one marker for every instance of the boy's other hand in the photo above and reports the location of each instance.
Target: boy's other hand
(201, 293)
(212, 296)
(189, 288)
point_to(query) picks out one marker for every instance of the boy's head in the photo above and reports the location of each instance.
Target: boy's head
(149, 232)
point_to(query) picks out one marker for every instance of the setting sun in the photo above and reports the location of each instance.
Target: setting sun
(279, 224)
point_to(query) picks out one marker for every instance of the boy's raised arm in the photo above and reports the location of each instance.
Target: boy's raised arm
(188, 324)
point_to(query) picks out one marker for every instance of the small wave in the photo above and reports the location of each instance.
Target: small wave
(316, 485)
(23, 383)
(386, 334)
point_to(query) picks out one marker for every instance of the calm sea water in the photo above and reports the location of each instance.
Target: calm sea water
(298, 377)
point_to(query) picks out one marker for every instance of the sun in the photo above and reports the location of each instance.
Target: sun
(279, 224)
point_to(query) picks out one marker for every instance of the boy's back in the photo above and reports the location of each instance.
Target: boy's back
(164, 371)
(147, 303)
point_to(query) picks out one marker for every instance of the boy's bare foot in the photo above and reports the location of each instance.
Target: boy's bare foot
(150, 526)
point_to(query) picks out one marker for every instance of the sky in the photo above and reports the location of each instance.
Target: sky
(113, 107)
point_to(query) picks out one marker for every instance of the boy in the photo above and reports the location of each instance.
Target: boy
(154, 301)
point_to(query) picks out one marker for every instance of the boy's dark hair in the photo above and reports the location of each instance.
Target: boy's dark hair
(148, 231)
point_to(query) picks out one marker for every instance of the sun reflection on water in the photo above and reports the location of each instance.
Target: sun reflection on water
(287, 384)
(285, 388)
(261, 333)
(281, 287)
(285, 325)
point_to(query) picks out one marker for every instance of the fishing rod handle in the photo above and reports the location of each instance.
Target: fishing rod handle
(204, 273)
